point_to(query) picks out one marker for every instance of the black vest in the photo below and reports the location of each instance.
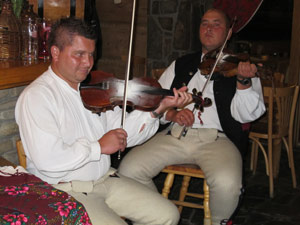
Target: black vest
(185, 69)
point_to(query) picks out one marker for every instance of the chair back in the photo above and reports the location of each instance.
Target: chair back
(21, 154)
(282, 106)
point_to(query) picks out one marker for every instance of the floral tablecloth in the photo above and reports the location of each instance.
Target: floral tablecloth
(26, 199)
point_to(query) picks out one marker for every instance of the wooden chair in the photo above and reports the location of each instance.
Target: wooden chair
(21, 154)
(188, 171)
(277, 125)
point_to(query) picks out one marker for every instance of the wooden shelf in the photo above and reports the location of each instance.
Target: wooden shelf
(19, 73)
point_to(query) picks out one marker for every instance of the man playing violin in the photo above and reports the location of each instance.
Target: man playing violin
(217, 137)
(69, 147)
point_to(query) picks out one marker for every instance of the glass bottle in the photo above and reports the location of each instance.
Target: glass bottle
(44, 29)
(10, 41)
(29, 30)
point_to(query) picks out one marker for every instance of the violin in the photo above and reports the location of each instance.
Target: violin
(228, 63)
(103, 92)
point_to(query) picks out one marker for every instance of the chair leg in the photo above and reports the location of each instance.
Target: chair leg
(183, 190)
(291, 161)
(270, 157)
(168, 184)
(265, 157)
(254, 154)
(207, 215)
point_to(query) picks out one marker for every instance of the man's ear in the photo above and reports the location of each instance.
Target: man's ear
(54, 52)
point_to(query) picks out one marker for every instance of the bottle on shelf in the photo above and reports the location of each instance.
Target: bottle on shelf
(44, 29)
(29, 30)
(10, 40)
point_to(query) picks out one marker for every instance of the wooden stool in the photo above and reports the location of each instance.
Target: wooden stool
(187, 171)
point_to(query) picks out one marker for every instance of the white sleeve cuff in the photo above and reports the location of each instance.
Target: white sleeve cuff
(95, 151)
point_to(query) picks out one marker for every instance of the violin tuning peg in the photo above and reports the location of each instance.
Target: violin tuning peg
(207, 102)
(201, 108)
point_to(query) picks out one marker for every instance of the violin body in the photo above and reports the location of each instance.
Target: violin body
(227, 64)
(104, 92)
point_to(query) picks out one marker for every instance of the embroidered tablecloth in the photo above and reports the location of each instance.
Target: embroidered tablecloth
(26, 199)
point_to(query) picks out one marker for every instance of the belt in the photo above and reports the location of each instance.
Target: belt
(219, 131)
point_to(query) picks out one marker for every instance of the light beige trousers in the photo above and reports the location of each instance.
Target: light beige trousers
(217, 156)
(110, 197)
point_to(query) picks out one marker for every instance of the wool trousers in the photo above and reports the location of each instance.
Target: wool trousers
(217, 156)
(114, 196)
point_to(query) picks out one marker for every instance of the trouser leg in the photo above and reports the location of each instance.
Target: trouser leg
(222, 165)
(144, 162)
(93, 201)
(117, 196)
(136, 202)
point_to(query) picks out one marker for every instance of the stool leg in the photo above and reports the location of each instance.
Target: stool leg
(168, 184)
(207, 216)
(183, 190)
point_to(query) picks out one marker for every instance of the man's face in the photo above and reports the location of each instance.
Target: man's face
(212, 30)
(75, 61)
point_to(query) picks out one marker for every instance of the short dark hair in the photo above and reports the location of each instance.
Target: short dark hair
(63, 32)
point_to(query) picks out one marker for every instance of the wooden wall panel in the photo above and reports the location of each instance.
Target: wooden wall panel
(115, 22)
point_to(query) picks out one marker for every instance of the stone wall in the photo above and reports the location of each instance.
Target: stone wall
(173, 27)
(9, 132)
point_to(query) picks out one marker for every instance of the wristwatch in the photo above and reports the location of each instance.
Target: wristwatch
(244, 81)
(157, 115)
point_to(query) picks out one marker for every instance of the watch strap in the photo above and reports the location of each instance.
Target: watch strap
(157, 115)
(244, 81)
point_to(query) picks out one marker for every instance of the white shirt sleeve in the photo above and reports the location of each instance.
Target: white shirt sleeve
(248, 105)
(139, 125)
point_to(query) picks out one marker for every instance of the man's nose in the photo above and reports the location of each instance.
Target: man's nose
(87, 60)
(209, 27)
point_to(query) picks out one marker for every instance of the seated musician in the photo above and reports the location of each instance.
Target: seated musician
(216, 139)
(69, 146)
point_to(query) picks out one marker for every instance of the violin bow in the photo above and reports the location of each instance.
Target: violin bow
(127, 72)
(184, 129)
(220, 55)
